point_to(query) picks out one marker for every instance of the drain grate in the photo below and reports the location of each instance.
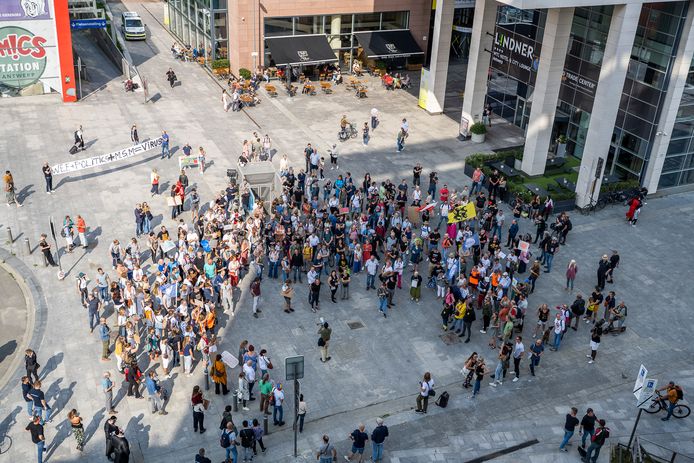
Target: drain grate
(355, 325)
(450, 338)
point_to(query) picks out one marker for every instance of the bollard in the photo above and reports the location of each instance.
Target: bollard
(236, 401)
(26, 242)
(9, 235)
(265, 425)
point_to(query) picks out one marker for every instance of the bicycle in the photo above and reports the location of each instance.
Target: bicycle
(592, 206)
(680, 411)
(5, 443)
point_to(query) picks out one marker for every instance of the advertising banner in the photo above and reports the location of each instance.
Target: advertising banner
(515, 55)
(96, 161)
(28, 46)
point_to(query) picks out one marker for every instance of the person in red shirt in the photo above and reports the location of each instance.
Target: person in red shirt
(444, 193)
(82, 231)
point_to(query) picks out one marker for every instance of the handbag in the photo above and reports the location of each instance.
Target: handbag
(321, 342)
(270, 366)
(465, 371)
(205, 404)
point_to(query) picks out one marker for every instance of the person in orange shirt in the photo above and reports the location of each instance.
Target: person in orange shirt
(82, 231)
(210, 321)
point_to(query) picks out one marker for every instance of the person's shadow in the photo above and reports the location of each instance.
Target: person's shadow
(62, 432)
(25, 192)
(92, 237)
(90, 143)
(9, 421)
(94, 425)
(62, 397)
(7, 349)
(135, 429)
(51, 364)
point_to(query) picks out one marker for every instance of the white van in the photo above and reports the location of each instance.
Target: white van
(132, 26)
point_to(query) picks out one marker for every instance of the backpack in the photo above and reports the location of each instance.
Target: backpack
(224, 440)
(601, 435)
(442, 401)
(680, 393)
(246, 437)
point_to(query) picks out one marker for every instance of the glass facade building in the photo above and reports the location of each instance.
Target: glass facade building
(202, 24)
(652, 57)
(678, 168)
(511, 82)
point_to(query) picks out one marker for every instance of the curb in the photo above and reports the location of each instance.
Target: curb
(37, 314)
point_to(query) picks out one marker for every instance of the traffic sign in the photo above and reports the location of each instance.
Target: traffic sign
(294, 368)
(77, 24)
(640, 379)
(647, 392)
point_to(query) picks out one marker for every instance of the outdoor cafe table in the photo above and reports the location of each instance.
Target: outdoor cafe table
(566, 183)
(535, 189)
(504, 169)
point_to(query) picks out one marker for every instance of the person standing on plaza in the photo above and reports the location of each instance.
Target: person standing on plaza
(365, 134)
(46, 250)
(77, 427)
(247, 437)
(121, 447)
(536, 350)
(550, 249)
(326, 452)
(587, 427)
(219, 375)
(154, 181)
(571, 271)
(258, 437)
(415, 286)
(595, 335)
(559, 328)
(358, 438)
(425, 388)
(614, 263)
(569, 427)
(249, 370)
(165, 143)
(10, 190)
(107, 387)
(597, 441)
(26, 387)
(479, 370)
(400, 141)
(228, 442)
(378, 437)
(105, 337)
(324, 341)
(94, 306)
(374, 118)
(287, 293)
(303, 409)
(37, 436)
(155, 393)
(110, 429)
(277, 406)
(79, 138)
(48, 177)
(82, 231)
(314, 293)
(518, 351)
(243, 393)
(201, 458)
(40, 404)
(31, 364)
(371, 267)
(382, 294)
(198, 403)
(134, 137)
(308, 151)
(255, 292)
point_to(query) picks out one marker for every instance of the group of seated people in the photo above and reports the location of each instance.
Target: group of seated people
(187, 52)
(392, 82)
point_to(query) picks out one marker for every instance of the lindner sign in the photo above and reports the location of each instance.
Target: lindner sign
(515, 55)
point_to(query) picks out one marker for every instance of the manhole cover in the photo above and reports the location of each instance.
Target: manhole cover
(355, 325)
(450, 338)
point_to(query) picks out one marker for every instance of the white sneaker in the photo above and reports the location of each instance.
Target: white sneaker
(246, 409)
(588, 355)
(493, 384)
(483, 332)
(515, 379)
(590, 361)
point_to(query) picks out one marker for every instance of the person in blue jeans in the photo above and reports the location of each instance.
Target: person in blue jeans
(587, 427)
(536, 353)
(383, 300)
(569, 428)
(40, 403)
(550, 249)
(232, 454)
(37, 436)
(278, 411)
(378, 437)
(597, 441)
(559, 326)
(26, 388)
(165, 145)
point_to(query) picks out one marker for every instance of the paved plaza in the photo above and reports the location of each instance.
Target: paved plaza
(376, 363)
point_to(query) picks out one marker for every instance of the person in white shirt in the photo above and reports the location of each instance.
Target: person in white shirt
(559, 327)
(425, 386)
(374, 118)
(277, 410)
(371, 266)
(250, 376)
(518, 350)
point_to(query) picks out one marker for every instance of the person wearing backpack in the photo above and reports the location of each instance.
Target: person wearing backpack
(247, 438)
(597, 441)
(228, 442)
(674, 395)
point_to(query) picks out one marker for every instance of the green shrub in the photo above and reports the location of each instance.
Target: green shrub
(561, 138)
(380, 64)
(621, 186)
(220, 64)
(245, 73)
(478, 128)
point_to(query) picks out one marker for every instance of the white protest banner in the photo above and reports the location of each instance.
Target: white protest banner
(96, 161)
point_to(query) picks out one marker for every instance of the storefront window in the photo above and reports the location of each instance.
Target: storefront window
(395, 20)
(307, 25)
(278, 26)
(367, 22)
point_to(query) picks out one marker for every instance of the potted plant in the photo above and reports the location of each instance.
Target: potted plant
(561, 146)
(245, 73)
(220, 66)
(478, 130)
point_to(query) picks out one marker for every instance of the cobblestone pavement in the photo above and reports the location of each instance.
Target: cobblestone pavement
(375, 367)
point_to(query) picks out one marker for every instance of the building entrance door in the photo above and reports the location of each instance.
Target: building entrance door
(522, 113)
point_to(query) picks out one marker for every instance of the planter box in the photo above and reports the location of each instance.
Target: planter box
(478, 138)
(565, 205)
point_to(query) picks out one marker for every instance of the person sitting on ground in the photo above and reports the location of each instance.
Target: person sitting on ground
(388, 81)
(405, 81)
(356, 68)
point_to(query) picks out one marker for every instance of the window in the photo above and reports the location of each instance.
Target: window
(367, 22)
(395, 20)
(307, 25)
(278, 26)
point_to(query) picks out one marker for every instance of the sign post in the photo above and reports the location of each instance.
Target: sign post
(644, 388)
(294, 371)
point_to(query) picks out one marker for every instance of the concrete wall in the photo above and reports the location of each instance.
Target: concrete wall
(241, 33)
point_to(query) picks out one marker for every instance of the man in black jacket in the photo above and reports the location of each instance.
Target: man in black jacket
(578, 308)
(378, 437)
(120, 447)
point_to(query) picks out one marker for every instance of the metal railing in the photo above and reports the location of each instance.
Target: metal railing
(645, 451)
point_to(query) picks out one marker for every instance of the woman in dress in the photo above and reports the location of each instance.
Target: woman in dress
(77, 428)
